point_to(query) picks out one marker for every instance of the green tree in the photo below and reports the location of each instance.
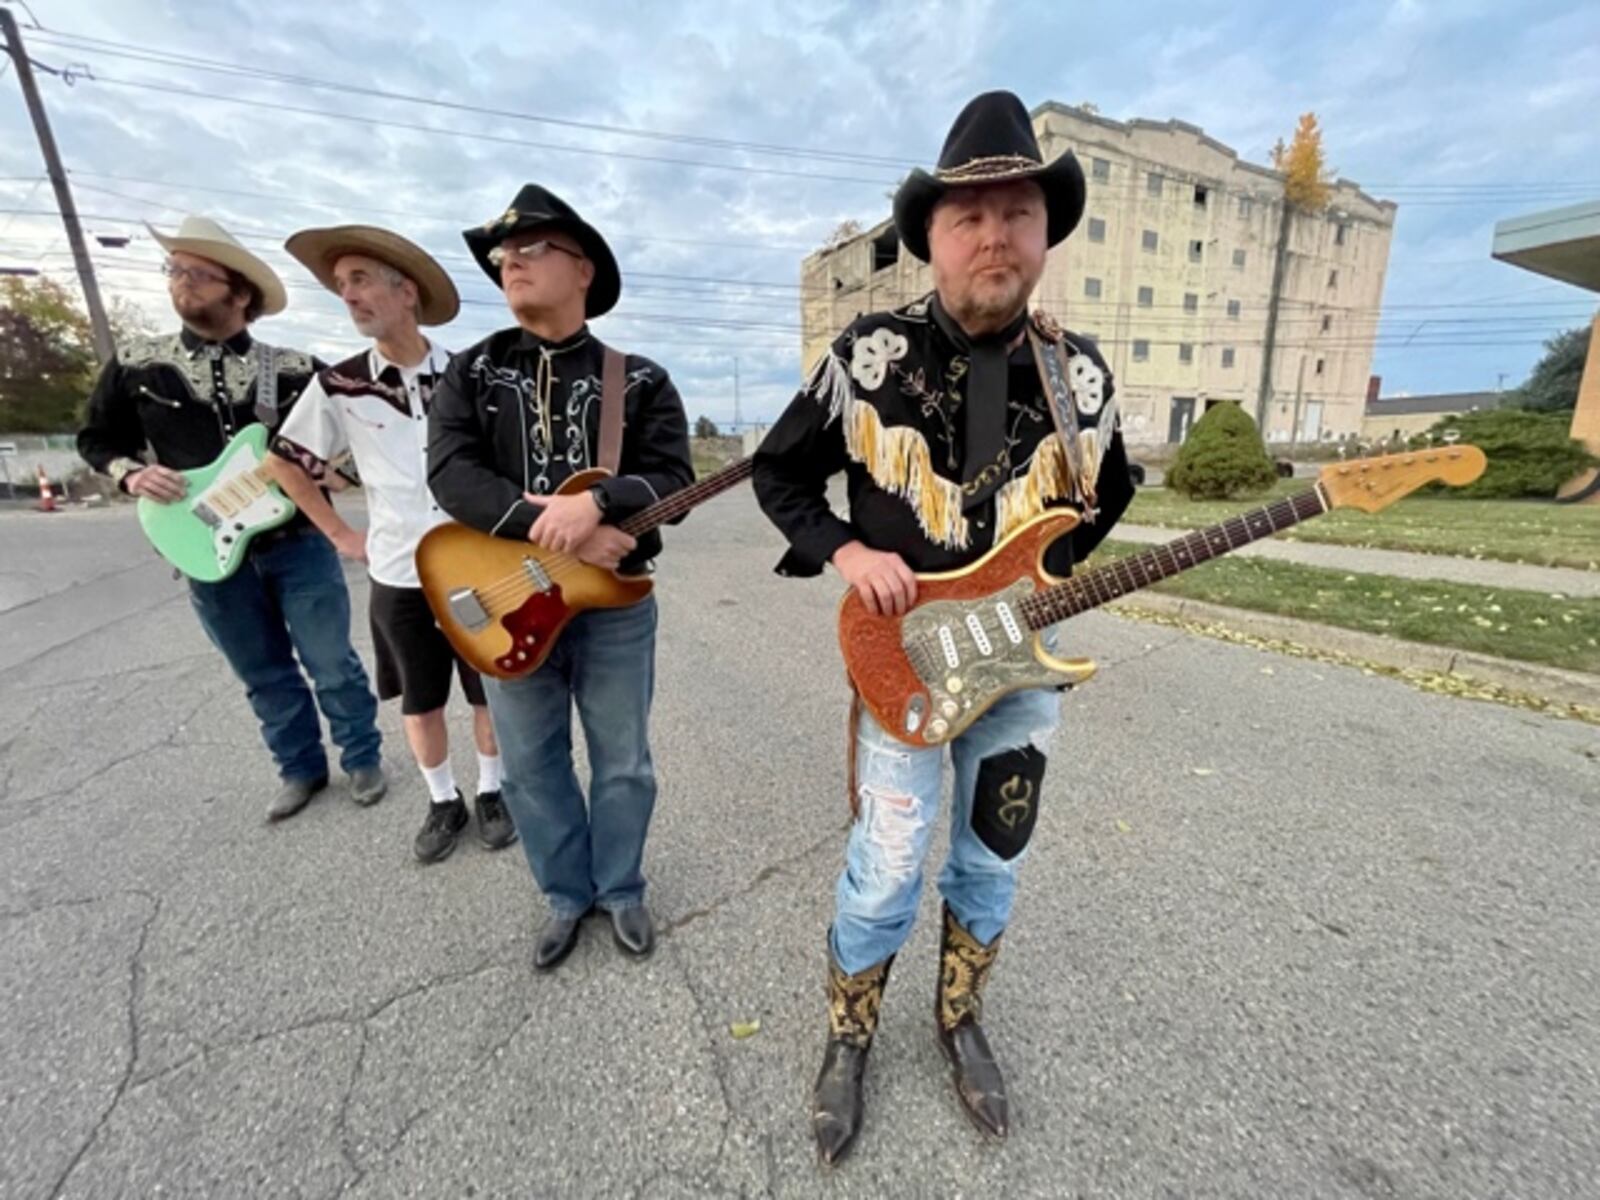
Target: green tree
(1531, 454)
(705, 427)
(47, 360)
(1223, 457)
(1553, 385)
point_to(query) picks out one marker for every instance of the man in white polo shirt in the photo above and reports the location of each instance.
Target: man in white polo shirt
(375, 407)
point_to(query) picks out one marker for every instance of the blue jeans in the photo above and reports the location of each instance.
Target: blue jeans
(288, 597)
(899, 789)
(605, 664)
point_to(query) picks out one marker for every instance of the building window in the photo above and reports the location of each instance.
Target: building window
(1333, 277)
(1196, 249)
(1244, 206)
(1091, 288)
(1238, 258)
(1227, 356)
(1200, 195)
(1141, 350)
(1191, 302)
(1327, 323)
(1153, 184)
(1233, 310)
(1147, 297)
(1320, 364)
(1097, 229)
(1186, 352)
(1338, 234)
(1148, 241)
(885, 249)
(1101, 169)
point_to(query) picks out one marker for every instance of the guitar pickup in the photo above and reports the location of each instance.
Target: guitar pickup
(206, 514)
(468, 610)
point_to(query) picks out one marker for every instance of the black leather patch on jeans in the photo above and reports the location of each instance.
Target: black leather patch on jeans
(1005, 804)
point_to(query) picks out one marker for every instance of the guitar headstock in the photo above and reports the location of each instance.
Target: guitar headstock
(1371, 484)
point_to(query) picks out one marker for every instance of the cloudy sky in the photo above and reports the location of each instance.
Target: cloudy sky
(716, 144)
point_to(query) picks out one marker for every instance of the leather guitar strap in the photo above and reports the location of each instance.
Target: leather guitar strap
(612, 403)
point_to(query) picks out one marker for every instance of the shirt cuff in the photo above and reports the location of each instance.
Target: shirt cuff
(626, 495)
(814, 549)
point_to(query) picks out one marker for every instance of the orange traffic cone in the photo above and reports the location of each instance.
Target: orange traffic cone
(47, 498)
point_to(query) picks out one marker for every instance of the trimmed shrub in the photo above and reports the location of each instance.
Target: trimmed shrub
(1531, 454)
(1223, 458)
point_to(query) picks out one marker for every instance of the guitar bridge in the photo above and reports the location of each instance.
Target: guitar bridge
(468, 610)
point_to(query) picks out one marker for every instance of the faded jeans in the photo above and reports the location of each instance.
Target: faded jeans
(899, 788)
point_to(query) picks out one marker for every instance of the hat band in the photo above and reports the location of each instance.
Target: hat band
(996, 166)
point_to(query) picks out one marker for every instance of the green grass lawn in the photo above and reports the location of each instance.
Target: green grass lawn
(1530, 626)
(1524, 531)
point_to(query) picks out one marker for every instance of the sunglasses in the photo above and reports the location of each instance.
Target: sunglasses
(528, 252)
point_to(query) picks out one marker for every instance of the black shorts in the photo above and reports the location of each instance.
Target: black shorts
(414, 658)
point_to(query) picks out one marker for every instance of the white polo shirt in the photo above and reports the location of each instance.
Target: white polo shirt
(378, 412)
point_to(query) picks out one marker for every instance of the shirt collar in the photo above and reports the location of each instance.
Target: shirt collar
(532, 341)
(239, 343)
(433, 363)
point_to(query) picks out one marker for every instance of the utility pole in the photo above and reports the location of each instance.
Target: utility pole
(1280, 262)
(103, 345)
(736, 393)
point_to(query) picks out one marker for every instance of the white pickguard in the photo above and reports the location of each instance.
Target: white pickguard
(266, 508)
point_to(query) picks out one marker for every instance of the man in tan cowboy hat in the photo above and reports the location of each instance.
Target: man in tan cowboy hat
(184, 395)
(374, 406)
(951, 438)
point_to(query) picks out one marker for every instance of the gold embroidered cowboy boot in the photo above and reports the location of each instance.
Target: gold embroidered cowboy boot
(836, 1100)
(963, 970)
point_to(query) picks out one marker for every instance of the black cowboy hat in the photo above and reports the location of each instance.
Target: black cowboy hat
(992, 141)
(539, 208)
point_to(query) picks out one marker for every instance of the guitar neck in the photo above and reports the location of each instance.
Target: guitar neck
(1137, 571)
(681, 502)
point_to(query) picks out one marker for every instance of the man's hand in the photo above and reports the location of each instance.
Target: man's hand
(565, 522)
(161, 484)
(882, 579)
(352, 543)
(606, 547)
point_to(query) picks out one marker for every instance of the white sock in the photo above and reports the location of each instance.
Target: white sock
(441, 782)
(489, 776)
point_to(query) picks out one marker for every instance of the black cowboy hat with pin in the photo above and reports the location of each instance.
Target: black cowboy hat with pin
(536, 208)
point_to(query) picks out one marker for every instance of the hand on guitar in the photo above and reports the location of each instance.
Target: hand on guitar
(881, 578)
(565, 522)
(160, 484)
(606, 547)
(351, 543)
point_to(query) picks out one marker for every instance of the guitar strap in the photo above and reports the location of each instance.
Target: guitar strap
(612, 402)
(267, 384)
(854, 729)
(1063, 411)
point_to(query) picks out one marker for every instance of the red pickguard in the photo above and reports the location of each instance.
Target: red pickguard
(533, 629)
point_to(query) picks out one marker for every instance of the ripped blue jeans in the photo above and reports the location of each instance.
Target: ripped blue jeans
(899, 789)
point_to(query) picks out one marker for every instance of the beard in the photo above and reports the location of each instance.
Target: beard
(989, 302)
(204, 316)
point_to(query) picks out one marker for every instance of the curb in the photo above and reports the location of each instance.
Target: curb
(1546, 683)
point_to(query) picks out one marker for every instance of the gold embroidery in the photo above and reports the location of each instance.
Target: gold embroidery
(964, 967)
(995, 166)
(853, 1002)
(1017, 793)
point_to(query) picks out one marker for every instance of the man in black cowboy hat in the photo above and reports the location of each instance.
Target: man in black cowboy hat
(513, 417)
(950, 438)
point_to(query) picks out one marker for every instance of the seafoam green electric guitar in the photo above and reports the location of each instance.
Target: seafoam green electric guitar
(206, 533)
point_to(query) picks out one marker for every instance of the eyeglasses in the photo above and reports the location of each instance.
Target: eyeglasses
(528, 252)
(194, 274)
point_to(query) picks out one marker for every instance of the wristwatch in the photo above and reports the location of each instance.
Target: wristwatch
(601, 500)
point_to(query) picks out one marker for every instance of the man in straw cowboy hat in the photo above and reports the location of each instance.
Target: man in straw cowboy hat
(515, 416)
(184, 395)
(374, 406)
(951, 437)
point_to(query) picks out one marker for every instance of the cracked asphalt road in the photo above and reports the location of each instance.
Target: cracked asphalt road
(1299, 933)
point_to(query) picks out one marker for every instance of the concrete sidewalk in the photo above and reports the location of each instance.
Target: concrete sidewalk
(1566, 581)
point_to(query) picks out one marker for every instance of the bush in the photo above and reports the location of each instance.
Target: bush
(1223, 457)
(1530, 453)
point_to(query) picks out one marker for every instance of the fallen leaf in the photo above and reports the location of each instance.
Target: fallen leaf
(1123, 826)
(1203, 771)
(1268, 671)
(745, 1029)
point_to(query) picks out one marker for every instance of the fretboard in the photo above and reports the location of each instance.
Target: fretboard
(679, 503)
(1090, 589)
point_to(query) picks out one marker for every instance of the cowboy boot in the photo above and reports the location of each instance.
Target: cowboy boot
(836, 1100)
(963, 970)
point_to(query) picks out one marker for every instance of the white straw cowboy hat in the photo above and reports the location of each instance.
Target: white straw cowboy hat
(320, 249)
(204, 238)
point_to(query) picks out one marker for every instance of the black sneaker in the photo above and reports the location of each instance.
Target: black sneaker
(494, 822)
(441, 830)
